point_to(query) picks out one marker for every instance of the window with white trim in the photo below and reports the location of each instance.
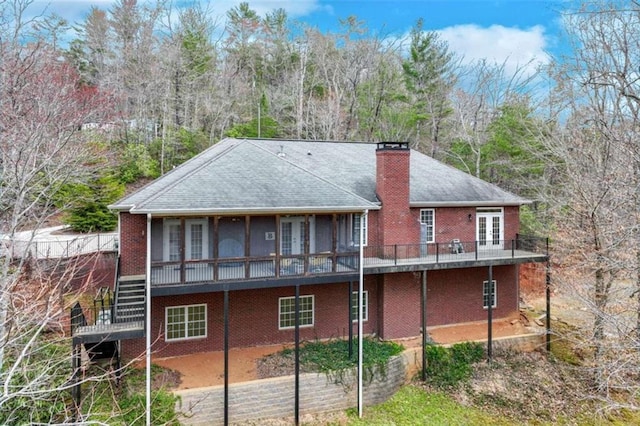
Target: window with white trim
(355, 229)
(287, 312)
(485, 294)
(354, 306)
(427, 217)
(185, 322)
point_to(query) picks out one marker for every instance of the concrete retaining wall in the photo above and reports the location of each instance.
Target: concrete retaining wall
(274, 398)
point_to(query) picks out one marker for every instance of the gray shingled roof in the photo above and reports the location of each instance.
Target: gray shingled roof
(244, 176)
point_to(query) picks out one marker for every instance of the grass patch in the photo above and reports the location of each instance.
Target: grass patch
(411, 405)
(563, 343)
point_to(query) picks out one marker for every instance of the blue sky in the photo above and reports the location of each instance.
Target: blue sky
(516, 31)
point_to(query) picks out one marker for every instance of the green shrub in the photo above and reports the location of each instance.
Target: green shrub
(334, 355)
(446, 367)
(85, 204)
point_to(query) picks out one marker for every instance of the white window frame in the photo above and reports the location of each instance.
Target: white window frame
(485, 294)
(185, 322)
(293, 311)
(187, 237)
(355, 230)
(432, 226)
(365, 306)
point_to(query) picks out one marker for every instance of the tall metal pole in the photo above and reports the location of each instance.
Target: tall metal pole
(147, 326)
(490, 313)
(363, 217)
(297, 355)
(350, 319)
(423, 321)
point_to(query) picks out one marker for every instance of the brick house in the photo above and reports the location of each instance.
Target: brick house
(225, 241)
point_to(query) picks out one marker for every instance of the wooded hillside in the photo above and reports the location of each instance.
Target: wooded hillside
(141, 88)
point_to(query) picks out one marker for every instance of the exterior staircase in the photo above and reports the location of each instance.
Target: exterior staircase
(130, 300)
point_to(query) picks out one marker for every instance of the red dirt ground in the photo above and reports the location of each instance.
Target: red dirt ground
(206, 369)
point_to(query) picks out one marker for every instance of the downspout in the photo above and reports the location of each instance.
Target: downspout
(147, 325)
(363, 217)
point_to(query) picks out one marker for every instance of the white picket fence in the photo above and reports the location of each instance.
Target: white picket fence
(60, 247)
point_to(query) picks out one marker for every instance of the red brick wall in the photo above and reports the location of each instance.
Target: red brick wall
(253, 319)
(453, 222)
(511, 222)
(396, 223)
(399, 305)
(133, 243)
(455, 296)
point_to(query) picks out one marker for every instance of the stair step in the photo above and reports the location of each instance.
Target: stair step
(129, 305)
(141, 293)
(129, 297)
(132, 288)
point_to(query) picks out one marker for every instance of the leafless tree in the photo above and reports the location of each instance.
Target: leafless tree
(43, 106)
(597, 202)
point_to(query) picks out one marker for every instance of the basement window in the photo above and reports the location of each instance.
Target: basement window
(287, 312)
(485, 294)
(354, 306)
(185, 322)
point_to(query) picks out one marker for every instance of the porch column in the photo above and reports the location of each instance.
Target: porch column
(216, 251)
(247, 246)
(277, 251)
(183, 250)
(334, 242)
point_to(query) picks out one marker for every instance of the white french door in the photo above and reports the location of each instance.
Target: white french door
(489, 228)
(292, 235)
(196, 241)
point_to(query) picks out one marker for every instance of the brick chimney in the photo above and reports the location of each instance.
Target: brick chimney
(392, 188)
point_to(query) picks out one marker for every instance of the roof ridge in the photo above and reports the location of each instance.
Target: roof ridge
(346, 191)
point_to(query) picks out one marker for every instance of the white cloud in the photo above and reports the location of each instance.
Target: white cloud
(512, 46)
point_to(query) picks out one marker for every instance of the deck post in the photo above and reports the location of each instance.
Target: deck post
(423, 320)
(76, 390)
(226, 356)
(548, 303)
(490, 313)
